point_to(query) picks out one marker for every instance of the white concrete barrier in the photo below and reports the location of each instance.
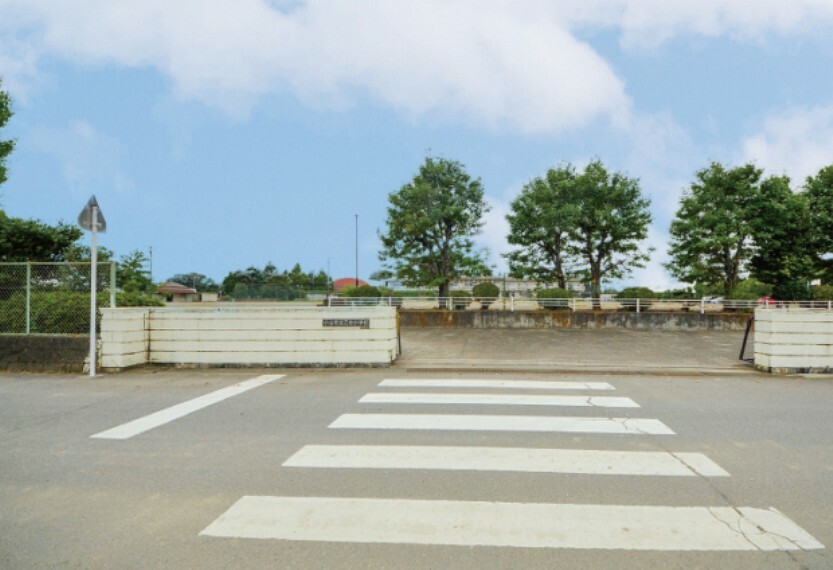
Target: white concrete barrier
(248, 336)
(794, 340)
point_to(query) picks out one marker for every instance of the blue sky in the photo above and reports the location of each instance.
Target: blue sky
(228, 134)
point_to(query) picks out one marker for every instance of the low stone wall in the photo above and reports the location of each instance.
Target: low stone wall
(275, 335)
(790, 341)
(573, 320)
(43, 353)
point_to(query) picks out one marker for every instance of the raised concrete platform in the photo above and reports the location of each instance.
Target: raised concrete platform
(574, 351)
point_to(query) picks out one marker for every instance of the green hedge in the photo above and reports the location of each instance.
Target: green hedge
(487, 292)
(821, 293)
(555, 298)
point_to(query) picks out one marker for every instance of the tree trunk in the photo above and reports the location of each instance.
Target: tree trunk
(596, 288)
(443, 291)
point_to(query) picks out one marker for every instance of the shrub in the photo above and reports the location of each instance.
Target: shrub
(821, 293)
(362, 291)
(750, 289)
(556, 298)
(637, 293)
(60, 312)
(791, 291)
(487, 292)
(136, 299)
(460, 299)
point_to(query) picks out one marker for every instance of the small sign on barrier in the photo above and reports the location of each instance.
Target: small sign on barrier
(361, 323)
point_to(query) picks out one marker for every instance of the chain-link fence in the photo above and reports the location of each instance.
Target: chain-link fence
(52, 298)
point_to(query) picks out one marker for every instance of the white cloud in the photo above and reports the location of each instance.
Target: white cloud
(649, 23)
(798, 142)
(494, 64)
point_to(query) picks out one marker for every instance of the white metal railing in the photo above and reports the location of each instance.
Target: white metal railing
(575, 304)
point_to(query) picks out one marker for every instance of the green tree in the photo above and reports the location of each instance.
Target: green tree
(542, 218)
(782, 231)
(819, 192)
(196, 281)
(430, 225)
(711, 234)
(131, 273)
(6, 146)
(610, 221)
(33, 240)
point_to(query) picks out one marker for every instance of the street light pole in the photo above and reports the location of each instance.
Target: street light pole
(357, 250)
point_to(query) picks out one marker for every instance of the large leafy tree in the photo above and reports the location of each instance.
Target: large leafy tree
(6, 146)
(783, 234)
(430, 225)
(540, 223)
(712, 232)
(819, 192)
(609, 221)
(195, 280)
(132, 274)
(33, 240)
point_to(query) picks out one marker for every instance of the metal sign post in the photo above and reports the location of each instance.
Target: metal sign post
(92, 220)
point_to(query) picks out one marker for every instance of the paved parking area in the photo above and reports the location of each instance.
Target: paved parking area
(397, 469)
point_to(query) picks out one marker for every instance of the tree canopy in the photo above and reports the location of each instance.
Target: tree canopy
(588, 223)
(711, 234)
(132, 275)
(541, 220)
(33, 240)
(430, 225)
(6, 146)
(270, 283)
(782, 232)
(197, 281)
(610, 221)
(819, 192)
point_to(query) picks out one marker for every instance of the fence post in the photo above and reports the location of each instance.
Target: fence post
(702, 306)
(573, 303)
(637, 306)
(512, 303)
(28, 297)
(112, 284)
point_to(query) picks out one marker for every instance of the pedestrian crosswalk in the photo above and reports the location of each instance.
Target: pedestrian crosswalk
(443, 521)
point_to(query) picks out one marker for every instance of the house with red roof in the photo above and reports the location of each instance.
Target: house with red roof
(345, 283)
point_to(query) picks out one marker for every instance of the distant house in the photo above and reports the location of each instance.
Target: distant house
(346, 282)
(178, 293)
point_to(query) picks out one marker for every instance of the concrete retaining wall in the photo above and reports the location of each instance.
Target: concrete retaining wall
(789, 341)
(573, 320)
(43, 353)
(250, 336)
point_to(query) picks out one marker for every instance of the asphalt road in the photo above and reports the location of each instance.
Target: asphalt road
(71, 500)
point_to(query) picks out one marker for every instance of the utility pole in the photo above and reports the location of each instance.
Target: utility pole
(357, 250)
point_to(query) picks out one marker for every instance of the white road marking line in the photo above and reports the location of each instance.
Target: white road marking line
(477, 523)
(578, 461)
(501, 423)
(162, 417)
(498, 399)
(511, 384)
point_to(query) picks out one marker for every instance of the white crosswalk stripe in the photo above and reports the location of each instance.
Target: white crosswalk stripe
(504, 524)
(503, 384)
(454, 422)
(474, 523)
(584, 461)
(499, 399)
